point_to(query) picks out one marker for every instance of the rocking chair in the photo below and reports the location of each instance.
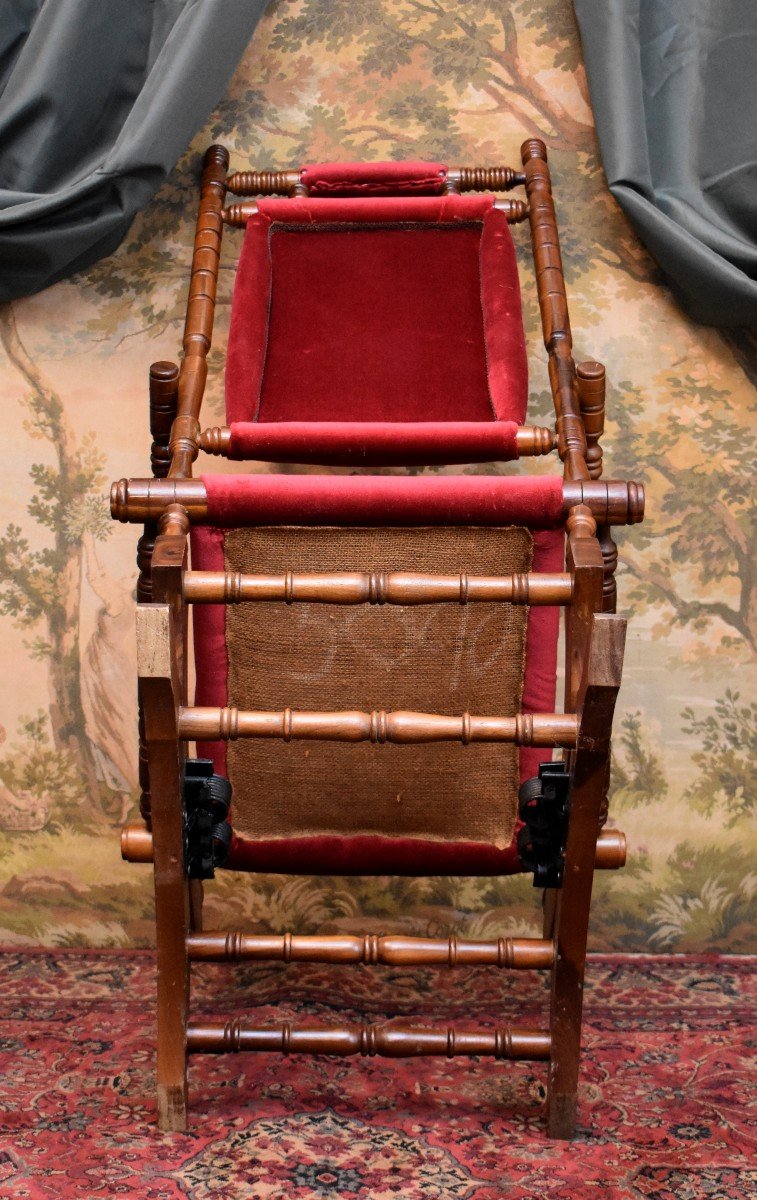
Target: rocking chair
(376, 323)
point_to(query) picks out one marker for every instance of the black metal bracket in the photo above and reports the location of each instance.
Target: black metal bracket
(207, 833)
(543, 808)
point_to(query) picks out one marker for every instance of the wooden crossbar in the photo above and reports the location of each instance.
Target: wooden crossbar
(372, 950)
(385, 1041)
(610, 501)
(289, 183)
(136, 847)
(376, 587)
(408, 728)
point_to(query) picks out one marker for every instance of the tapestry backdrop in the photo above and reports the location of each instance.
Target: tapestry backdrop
(385, 79)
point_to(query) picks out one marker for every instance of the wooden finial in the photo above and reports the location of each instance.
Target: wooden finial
(590, 378)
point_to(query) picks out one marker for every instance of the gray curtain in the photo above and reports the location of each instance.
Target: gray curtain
(674, 90)
(98, 99)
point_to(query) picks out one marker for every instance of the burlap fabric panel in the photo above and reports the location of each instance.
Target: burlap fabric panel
(445, 658)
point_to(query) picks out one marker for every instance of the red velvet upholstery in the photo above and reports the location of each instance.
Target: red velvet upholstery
(374, 855)
(374, 443)
(374, 179)
(374, 312)
(535, 501)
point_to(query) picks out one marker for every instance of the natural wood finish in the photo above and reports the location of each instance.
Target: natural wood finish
(590, 378)
(198, 327)
(136, 844)
(610, 502)
(532, 440)
(385, 1041)
(483, 179)
(610, 558)
(266, 183)
(515, 211)
(163, 385)
(378, 587)
(372, 950)
(599, 689)
(160, 690)
(403, 728)
(216, 439)
(553, 303)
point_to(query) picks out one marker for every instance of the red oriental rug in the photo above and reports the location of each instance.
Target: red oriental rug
(664, 1092)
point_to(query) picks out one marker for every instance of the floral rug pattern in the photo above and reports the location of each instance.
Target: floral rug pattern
(664, 1089)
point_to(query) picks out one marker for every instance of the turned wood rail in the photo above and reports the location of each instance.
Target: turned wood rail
(136, 847)
(384, 1041)
(198, 326)
(456, 179)
(553, 303)
(530, 440)
(609, 501)
(376, 587)
(379, 727)
(371, 950)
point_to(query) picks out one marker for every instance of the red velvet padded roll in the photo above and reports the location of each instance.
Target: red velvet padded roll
(374, 443)
(534, 501)
(374, 179)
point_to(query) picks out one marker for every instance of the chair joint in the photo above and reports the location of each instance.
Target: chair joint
(207, 833)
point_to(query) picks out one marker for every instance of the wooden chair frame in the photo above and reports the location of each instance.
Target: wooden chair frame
(171, 500)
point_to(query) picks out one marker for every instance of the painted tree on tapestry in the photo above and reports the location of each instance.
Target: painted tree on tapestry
(40, 589)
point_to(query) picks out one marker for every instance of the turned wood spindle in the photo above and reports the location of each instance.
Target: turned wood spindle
(379, 727)
(483, 179)
(553, 304)
(590, 377)
(198, 326)
(385, 1041)
(266, 183)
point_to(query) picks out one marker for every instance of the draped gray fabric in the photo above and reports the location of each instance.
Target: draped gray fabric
(98, 99)
(674, 91)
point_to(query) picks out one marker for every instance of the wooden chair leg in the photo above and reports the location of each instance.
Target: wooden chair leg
(596, 705)
(160, 684)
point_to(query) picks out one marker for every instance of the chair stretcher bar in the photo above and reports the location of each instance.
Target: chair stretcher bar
(136, 847)
(376, 587)
(237, 215)
(456, 179)
(611, 502)
(372, 443)
(372, 950)
(406, 728)
(385, 1041)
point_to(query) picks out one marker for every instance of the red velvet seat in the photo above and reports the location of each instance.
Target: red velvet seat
(377, 331)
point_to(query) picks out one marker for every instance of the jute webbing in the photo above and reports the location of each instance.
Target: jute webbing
(444, 658)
